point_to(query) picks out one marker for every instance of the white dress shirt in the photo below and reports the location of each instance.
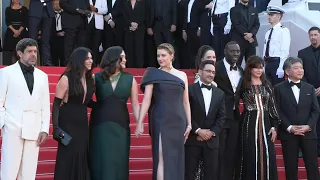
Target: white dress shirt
(207, 94)
(234, 76)
(296, 93)
(279, 43)
(189, 9)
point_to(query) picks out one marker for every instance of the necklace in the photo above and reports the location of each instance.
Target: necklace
(115, 78)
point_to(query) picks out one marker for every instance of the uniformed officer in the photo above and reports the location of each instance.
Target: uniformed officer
(276, 45)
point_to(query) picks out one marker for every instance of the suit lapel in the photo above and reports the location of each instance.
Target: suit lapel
(199, 94)
(314, 61)
(212, 101)
(302, 92)
(224, 75)
(24, 87)
(290, 94)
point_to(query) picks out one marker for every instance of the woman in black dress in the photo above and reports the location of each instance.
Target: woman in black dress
(166, 97)
(258, 126)
(16, 21)
(73, 92)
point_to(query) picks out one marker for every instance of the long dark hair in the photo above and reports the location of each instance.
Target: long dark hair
(76, 68)
(253, 62)
(201, 52)
(110, 61)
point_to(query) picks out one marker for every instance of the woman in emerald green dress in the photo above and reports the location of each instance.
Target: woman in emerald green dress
(109, 125)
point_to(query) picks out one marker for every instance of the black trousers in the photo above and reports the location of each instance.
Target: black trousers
(210, 162)
(134, 47)
(247, 50)
(193, 45)
(219, 38)
(46, 25)
(74, 37)
(290, 150)
(271, 66)
(228, 151)
(57, 50)
(93, 40)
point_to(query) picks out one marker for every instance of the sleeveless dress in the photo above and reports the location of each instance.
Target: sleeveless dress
(72, 160)
(257, 156)
(167, 118)
(109, 130)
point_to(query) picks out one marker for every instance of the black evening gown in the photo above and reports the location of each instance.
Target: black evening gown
(167, 118)
(257, 158)
(72, 160)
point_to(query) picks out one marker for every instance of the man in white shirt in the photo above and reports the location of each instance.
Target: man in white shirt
(276, 46)
(299, 111)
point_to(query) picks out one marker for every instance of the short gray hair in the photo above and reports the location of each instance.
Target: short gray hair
(290, 61)
(23, 43)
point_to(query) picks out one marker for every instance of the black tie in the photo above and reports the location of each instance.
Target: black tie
(297, 84)
(233, 68)
(268, 43)
(206, 86)
(93, 2)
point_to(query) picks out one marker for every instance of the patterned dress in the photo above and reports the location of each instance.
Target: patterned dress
(257, 158)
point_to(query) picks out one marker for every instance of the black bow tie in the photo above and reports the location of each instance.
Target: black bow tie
(297, 84)
(209, 87)
(233, 68)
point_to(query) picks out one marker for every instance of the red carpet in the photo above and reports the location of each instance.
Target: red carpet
(140, 153)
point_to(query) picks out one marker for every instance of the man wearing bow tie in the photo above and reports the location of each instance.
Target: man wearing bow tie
(24, 113)
(228, 78)
(208, 114)
(311, 64)
(299, 112)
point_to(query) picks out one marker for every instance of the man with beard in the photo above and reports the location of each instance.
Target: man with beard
(24, 113)
(228, 78)
(208, 115)
(311, 64)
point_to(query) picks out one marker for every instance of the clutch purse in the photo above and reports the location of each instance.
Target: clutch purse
(64, 138)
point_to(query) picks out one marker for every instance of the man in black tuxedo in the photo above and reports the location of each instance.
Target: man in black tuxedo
(311, 64)
(299, 112)
(74, 24)
(228, 78)
(41, 13)
(208, 114)
(245, 26)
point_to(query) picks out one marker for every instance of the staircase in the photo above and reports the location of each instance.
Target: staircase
(140, 150)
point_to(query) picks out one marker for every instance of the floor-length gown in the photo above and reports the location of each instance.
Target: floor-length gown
(109, 129)
(257, 153)
(72, 160)
(167, 122)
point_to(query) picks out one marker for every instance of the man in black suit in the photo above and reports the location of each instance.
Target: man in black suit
(114, 24)
(245, 26)
(162, 20)
(74, 24)
(208, 114)
(228, 78)
(41, 13)
(311, 64)
(299, 112)
(191, 30)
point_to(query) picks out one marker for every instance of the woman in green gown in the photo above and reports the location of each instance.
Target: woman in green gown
(109, 144)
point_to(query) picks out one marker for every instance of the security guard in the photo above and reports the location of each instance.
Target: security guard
(276, 45)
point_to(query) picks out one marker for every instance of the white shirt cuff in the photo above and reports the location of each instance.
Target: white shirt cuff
(197, 130)
(289, 128)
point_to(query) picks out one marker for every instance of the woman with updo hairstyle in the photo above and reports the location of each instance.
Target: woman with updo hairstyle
(205, 52)
(166, 100)
(259, 123)
(109, 126)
